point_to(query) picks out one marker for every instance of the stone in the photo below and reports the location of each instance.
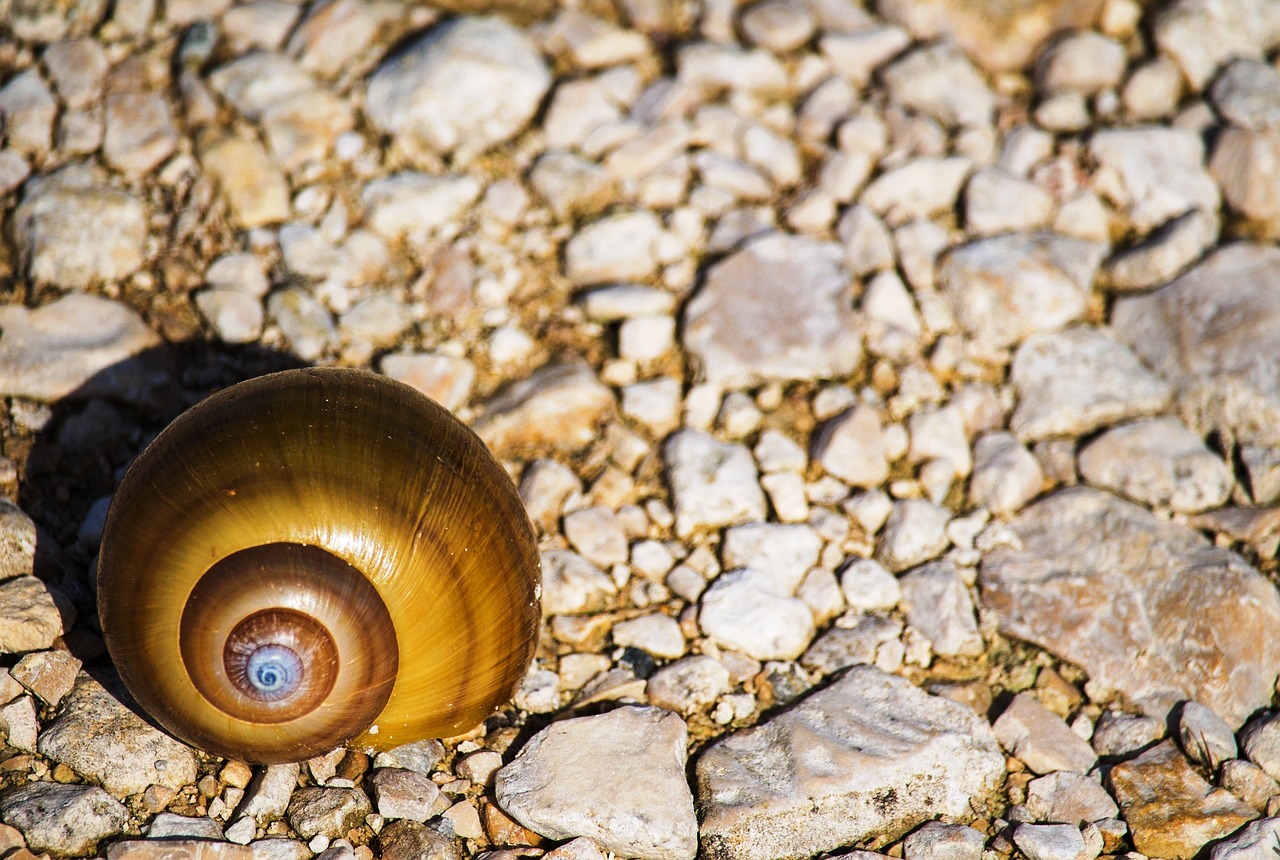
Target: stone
(924, 187)
(572, 585)
(140, 132)
(237, 317)
(940, 609)
(619, 247)
(1005, 474)
(914, 533)
(418, 756)
(51, 20)
(655, 633)
(103, 740)
(560, 405)
(22, 728)
(1152, 174)
(868, 754)
(183, 849)
(1209, 333)
(939, 434)
(713, 484)
(345, 36)
(998, 36)
(1085, 62)
(1255, 841)
(410, 205)
(446, 379)
(1122, 735)
(851, 447)
(72, 230)
(50, 675)
(1163, 254)
(938, 81)
(999, 202)
(1205, 738)
(78, 343)
(935, 840)
(868, 586)
(1248, 782)
(332, 812)
(565, 783)
(168, 825)
(28, 108)
(62, 819)
(741, 610)
(409, 840)
(1006, 288)
(1040, 738)
(305, 322)
(1247, 95)
(1170, 809)
(688, 684)
(1244, 164)
(1069, 798)
(1260, 742)
(1158, 462)
(400, 793)
(780, 309)
(1137, 603)
(598, 535)
(1201, 36)
(30, 618)
(853, 640)
(255, 189)
(78, 68)
(1051, 842)
(784, 553)
(1072, 382)
(464, 86)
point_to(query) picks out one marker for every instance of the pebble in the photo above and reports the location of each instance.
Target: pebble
(446, 379)
(1220, 381)
(938, 841)
(410, 205)
(777, 310)
(30, 617)
(1152, 174)
(855, 640)
(328, 811)
(254, 188)
(1069, 798)
(462, 87)
(572, 585)
(1040, 738)
(22, 727)
(1170, 809)
(50, 675)
(167, 825)
(1006, 288)
(1085, 62)
(140, 132)
(1248, 782)
(919, 189)
(267, 796)
(743, 610)
(51, 229)
(63, 819)
(1006, 476)
(1052, 842)
(1072, 382)
(713, 484)
(998, 202)
(559, 406)
(28, 108)
(1158, 462)
(179, 849)
(851, 447)
(1255, 841)
(784, 553)
(401, 793)
(237, 317)
(655, 633)
(1200, 36)
(1247, 95)
(409, 840)
(306, 323)
(939, 607)
(565, 783)
(1162, 254)
(868, 754)
(1088, 559)
(915, 532)
(1243, 163)
(688, 684)
(868, 586)
(1120, 734)
(1260, 742)
(1205, 738)
(938, 81)
(597, 534)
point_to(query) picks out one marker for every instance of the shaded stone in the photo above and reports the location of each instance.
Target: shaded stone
(1170, 809)
(566, 782)
(1213, 333)
(780, 309)
(78, 343)
(1008, 287)
(29, 615)
(100, 738)
(1247, 165)
(559, 405)
(62, 819)
(868, 755)
(1257, 840)
(1152, 173)
(1147, 607)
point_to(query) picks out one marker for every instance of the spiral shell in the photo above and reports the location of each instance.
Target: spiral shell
(313, 558)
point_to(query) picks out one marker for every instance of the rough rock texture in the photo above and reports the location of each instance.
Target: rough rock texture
(1213, 334)
(1147, 607)
(869, 755)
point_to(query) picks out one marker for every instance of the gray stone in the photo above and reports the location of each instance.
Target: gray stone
(1152, 174)
(464, 86)
(938, 841)
(28, 109)
(1247, 95)
(1072, 382)
(1248, 782)
(62, 819)
(850, 447)
(419, 756)
(915, 532)
(328, 811)
(78, 68)
(1120, 734)
(1069, 798)
(784, 553)
(597, 534)
(780, 309)
(267, 796)
(713, 484)
(1201, 35)
(73, 231)
(1147, 607)
(868, 586)
(655, 633)
(409, 840)
(869, 754)
(1205, 738)
(1163, 254)
(100, 738)
(1260, 742)
(742, 610)
(571, 584)
(1051, 842)
(565, 782)
(853, 640)
(940, 608)
(688, 684)
(1211, 334)
(938, 81)
(1255, 841)
(168, 825)
(1040, 738)
(1005, 288)
(1005, 474)
(1170, 809)
(560, 405)
(1158, 462)
(140, 132)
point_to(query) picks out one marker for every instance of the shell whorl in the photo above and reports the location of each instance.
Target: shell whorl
(314, 558)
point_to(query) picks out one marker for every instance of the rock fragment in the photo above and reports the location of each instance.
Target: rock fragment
(62, 819)
(713, 484)
(558, 406)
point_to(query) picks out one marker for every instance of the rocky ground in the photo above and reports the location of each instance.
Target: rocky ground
(894, 390)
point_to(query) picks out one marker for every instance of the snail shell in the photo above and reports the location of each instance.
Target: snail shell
(313, 558)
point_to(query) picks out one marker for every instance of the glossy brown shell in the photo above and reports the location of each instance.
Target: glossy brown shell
(367, 470)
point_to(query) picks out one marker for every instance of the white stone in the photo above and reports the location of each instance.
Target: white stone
(1158, 462)
(655, 633)
(742, 611)
(617, 248)
(869, 587)
(783, 553)
(712, 484)
(851, 447)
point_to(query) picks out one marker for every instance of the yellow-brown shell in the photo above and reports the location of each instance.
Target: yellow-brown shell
(353, 514)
